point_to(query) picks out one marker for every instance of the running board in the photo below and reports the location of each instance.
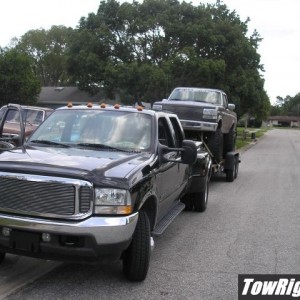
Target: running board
(168, 218)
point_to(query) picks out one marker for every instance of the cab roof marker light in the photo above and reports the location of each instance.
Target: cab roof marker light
(70, 104)
(103, 105)
(139, 108)
(117, 106)
(89, 104)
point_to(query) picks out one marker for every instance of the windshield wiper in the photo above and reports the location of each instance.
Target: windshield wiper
(103, 146)
(46, 142)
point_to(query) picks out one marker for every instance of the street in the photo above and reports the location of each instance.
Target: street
(251, 226)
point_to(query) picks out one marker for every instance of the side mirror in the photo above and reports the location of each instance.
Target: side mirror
(231, 106)
(188, 153)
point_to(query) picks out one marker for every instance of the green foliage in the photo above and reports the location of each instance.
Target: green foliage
(145, 49)
(288, 106)
(18, 83)
(151, 47)
(48, 51)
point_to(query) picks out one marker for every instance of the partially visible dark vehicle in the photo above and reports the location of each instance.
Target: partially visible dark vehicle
(33, 116)
(205, 114)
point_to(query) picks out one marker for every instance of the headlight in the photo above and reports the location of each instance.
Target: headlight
(112, 201)
(210, 113)
(157, 107)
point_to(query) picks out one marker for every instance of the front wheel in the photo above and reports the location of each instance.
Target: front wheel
(137, 256)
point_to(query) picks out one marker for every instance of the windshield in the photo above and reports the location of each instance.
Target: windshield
(100, 129)
(198, 95)
(32, 116)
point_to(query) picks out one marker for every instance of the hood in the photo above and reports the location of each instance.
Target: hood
(100, 167)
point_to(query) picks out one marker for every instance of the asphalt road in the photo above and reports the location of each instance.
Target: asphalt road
(251, 226)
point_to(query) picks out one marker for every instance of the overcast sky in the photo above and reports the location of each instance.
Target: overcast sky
(277, 21)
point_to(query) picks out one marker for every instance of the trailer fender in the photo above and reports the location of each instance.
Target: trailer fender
(231, 160)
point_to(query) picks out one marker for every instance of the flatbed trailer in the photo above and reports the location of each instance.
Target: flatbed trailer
(229, 165)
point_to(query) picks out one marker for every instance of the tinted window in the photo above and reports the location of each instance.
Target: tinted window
(178, 133)
(164, 134)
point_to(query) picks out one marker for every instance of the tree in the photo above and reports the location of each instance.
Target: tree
(18, 82)
(48, 50)
(151, 47)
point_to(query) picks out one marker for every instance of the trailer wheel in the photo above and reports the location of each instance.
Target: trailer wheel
(215, 143)
(231, 174)
(236, 168)
(200, 199)
(2, 256)
(137, 256)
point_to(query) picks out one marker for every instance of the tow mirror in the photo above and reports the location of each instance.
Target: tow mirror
(188, 153)
(231, 106)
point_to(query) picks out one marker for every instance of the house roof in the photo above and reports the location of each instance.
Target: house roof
(62, 95)
(284, 118)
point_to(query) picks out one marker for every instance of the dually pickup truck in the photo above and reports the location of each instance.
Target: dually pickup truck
(97, 183)
(205, 114)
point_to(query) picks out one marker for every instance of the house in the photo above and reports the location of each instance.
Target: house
(285, 121)
(55, 97)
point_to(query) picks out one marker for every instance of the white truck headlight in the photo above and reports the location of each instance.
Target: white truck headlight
(157, 107)
(112, 201)
(209, 113)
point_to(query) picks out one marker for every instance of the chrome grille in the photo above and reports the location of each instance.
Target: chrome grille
(46, 196)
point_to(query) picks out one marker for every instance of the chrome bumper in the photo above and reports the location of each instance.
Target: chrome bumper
(105, 230)
(199, 125)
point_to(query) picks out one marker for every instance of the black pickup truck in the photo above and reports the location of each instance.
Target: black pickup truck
(96, 183)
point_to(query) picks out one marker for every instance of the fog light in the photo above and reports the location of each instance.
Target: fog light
(6, 231)
(46, 237)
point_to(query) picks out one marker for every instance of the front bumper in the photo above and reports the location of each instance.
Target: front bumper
(199, 125)
(93, 238)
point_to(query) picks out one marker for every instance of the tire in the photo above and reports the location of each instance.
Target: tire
(2, 256)
(188, 201)
(137, 256)
(200, 199)
(215, 143)
(232, 174)
(229, 141)
(236, 169)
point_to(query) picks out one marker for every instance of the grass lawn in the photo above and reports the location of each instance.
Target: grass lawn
(244, 137)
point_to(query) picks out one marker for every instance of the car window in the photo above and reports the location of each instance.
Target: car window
(164, 134)
(177, 131)
(197, 95)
